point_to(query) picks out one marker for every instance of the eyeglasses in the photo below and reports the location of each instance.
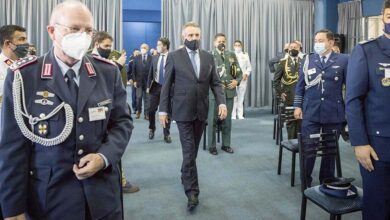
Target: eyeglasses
(89, 31)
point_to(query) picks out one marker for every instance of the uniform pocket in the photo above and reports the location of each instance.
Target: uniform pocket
(37, 190)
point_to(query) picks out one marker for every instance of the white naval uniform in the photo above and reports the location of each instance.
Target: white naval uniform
(5, 62)
(246, 67)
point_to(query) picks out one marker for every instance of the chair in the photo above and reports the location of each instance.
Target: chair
(286, 114)
(324, 145)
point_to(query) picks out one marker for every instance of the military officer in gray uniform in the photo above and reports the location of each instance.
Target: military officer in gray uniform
(67, 124)
(230, 74)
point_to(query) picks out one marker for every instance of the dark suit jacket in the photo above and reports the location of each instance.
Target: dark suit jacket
(140, 70)
(152, 74)
(39, 178)
(190, 94)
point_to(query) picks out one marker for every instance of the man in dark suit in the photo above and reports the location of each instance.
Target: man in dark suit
(192, 71)
(155, 82)
(63, 164)
(136, 52)
(140, 71)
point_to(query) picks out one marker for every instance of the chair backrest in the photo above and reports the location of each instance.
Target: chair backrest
(285, 114)
(318, 145)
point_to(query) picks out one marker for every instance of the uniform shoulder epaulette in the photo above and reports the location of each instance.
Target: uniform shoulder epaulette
(104, 60)
(23, 62)
(366, 41)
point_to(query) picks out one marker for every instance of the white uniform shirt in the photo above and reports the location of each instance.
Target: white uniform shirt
(244, 62)
(5, 62)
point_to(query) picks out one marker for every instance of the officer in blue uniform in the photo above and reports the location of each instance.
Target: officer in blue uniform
(318, 96)
(368, 115)
(67, 126)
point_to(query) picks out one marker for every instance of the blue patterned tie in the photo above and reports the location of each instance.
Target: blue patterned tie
(161, 72)
(193, 53)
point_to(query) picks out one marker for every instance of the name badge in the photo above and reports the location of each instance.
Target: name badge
(97, 113)
(312, 71)
(387, 72)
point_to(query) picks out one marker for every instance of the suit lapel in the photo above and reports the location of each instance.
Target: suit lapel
(317, 61)
(187, 59)
(86, 85)
(57, 84)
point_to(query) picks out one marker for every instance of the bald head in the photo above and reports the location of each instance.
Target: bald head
(70, 9)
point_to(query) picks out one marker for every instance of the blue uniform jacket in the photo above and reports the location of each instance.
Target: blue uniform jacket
(368, 100)
(38, 180)
(323, 103)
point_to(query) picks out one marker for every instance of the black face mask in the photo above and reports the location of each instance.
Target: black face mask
(21, 50)
(221, 47)
(192, 45)
(105, 53)
(293, 52)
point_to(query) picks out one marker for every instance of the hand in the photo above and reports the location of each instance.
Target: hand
(18, 217)
(164, 120)
(222, 112)
(245, 77)
(88, 166)
(283, 96)
(135, 84)
(130, 82)
(298, 113)
(122, 59)
(363, 155)
(147, 90)
(233, 84)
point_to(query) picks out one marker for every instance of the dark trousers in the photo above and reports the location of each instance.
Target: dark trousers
(133, 98)
(327, 168)
(154, 100)
(376, 184)
(190, 135)
(142, 95)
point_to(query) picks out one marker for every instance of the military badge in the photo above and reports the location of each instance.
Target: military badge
(45, 94)
(386, 82)
(43, 129)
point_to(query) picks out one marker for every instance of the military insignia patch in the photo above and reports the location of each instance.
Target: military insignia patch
(43, 129)
(47, 71)
(23, 62)
(386, 82)
(90, 69)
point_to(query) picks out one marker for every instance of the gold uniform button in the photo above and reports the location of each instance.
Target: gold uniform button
(81, 137)
(80, 152)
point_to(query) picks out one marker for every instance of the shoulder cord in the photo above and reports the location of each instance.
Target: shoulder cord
(291, 79)
(19, 99)
(313, 82)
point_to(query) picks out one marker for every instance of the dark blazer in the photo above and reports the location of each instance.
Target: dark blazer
(141, 70)
(190, 94)
(152, 74)
(40, 179)
(326, 106)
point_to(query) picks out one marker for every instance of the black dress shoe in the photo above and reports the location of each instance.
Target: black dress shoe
(227, 149)
(168, 139)
(193, 201)
(151, 134)
(213, 150)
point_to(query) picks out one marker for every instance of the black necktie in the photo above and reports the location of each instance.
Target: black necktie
(73, 88)
(223, 56)
(144, 59)
(323, 60)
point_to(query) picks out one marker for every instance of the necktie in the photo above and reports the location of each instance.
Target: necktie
(223, 56)
(161, 72)
(144, 59)
(73, 88)
(193, 53)
(323, 60)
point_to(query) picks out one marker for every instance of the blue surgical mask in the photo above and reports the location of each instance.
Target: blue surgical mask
(319, 48)
(386, 28)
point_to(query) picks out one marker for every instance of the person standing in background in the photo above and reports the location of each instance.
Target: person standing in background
(246, 68)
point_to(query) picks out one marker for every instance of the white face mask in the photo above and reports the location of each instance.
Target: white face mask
(320, 48)
(159, 50)
(238, 49)
(143, 51)
(75, 45)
